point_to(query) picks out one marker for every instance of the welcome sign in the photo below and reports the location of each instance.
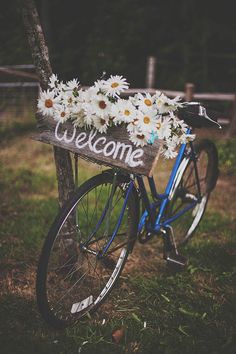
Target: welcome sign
(113, 148)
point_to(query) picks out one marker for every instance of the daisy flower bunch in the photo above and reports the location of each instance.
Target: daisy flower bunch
(145, 117)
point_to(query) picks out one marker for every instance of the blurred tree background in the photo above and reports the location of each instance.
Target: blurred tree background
(193, 40)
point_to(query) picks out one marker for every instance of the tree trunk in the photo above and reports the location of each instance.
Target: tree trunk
(41, 61)
(44, 13)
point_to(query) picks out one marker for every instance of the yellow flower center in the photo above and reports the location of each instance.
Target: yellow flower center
(141, 137)
(102, 104)
(127, 112)
(146, 120)
(48, 103)
(63, 114)
(158, 125)
(114, 84)
(147, 102)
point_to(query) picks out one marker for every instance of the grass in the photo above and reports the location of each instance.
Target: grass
(189, 312)
(227, 155)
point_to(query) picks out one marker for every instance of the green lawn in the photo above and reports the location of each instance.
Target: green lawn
(157, 311)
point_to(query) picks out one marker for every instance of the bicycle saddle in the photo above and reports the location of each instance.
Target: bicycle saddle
(196, 115)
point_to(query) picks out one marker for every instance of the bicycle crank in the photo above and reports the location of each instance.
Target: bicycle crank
(144, 237)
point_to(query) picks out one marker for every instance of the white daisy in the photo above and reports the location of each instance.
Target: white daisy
(62, 114)
(146, 117)
(165, 104)
(185, 138)
(139, 138)
(173, 141)
(163, 127)
(48, 103)
(179, 124)
(169, 152)
(162, 103)
(61, 87)
(132, 126)
(53, 81)
(88, 114)
(115, 85)
(147, 121)
(123, 111)
(145, 101)
(100, 105)
(73, 85)
(100, 124)
(75, 107)
(88, 95)
(69, 99)
(176, 101)
(57, 86)
(79, 119)
(99, 86)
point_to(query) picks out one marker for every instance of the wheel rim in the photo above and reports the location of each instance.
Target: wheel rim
(185, 194)
(77, 280)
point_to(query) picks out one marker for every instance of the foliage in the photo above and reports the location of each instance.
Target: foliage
(192, 40)
(227, 155)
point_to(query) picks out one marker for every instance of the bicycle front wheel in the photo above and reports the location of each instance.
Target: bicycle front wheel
(77, 269)
(186, 191)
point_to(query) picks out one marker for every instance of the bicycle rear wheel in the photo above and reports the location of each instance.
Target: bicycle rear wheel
(186, 191)
(73, 276)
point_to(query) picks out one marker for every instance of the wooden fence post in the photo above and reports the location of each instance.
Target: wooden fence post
(151, 72)
(189, 91)
(232, 127)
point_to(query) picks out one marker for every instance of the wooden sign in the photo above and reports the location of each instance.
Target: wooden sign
(112, 149)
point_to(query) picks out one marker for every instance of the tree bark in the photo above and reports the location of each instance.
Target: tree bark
(41, 61)
(44, 13)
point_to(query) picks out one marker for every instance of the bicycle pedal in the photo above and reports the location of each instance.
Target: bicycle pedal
(176, 260)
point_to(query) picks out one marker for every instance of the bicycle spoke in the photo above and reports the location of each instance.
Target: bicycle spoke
(75, 272)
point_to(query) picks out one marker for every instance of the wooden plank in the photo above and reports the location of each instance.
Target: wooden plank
(214, 96)
(223, 121)
(112, 149)
(21, 73)
(18, 84)
(19, 66)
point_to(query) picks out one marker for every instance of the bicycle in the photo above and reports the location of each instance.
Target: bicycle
(89, 242)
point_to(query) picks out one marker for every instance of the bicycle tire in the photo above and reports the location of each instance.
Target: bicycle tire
(51, 280)
(186, 225)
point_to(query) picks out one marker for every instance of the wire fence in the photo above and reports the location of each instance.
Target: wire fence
(19, 92)
(17, 103)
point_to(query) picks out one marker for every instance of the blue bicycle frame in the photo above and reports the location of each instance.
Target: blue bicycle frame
(157, 222)
(161, 200)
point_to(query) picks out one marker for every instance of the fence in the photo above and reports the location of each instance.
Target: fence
(18, 98)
